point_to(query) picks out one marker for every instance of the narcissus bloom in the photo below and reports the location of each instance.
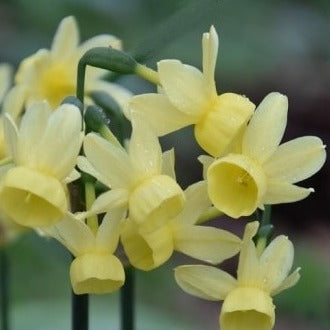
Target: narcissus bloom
(149, 250)
(135, 177)
(95, 269)
(190, 97)
(51, 74)
(260, 171)
(44, 148)
(248, 301)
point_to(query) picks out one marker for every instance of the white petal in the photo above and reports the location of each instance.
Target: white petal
(62, 140)
(144, 148)
(108, 233)
(209, 244)
(6, 72)
(14, 101)
(205, 282)
(276, 262)
(66, 38)
(110, 161)
(163, 117)
(210, 53)
(168, 160)
(266, 127)
(282, 192)
(185, 87)
(73, 176)
(296, 160)
(197, 202)
(206, 162)
(11, 136)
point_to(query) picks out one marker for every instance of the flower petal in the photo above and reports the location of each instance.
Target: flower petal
(14, 101)
(66, 38)
(168, 160)
(210, 53)
(197, 202)
(205, 282)
(11, 136)
(288, 282)
(144, 148)
(85, 166)
(185, 87)
(275, 263)
(163, 117)
(296, 160)
(209, 244)
(6, 73)
(109, 160)
(206, 161)
(282, 192)
(266, 127)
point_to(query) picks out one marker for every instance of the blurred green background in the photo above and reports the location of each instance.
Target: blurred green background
(264, 46)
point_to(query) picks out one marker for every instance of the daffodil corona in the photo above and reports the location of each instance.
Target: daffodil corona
(51, 74)
(248, 303)
(260, 171)
(44, 149)
(190, 97)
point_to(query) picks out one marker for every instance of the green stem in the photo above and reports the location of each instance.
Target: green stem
(265, 229)
(4, 294)
(147, 74)
(80, 311)
(92, 221)
(127, 300)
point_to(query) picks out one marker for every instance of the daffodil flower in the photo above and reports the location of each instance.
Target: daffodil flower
(51, 74)
(260, 171)
(190, 97)
(44, 148)
(134, 176)
(95, 269)
(248, 303)
(149, 250)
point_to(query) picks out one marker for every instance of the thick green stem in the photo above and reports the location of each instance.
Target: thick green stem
(4, 292)
(79, 311)
(127, 300)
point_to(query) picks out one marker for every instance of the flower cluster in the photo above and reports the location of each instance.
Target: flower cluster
(49, 150)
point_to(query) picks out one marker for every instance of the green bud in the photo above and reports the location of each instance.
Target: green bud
(95, 118)
(74, 101)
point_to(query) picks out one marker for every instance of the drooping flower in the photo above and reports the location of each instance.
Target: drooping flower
(190, 97)
(260, 171)
(95, 269)
(248, 303)
(148, 250)
(51, 74)
(44, 149)
(134, 176)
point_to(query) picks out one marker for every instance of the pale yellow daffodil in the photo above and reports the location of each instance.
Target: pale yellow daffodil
(190, 97)
(260, 171)
(149, 250)
(44, 149)
(51, 74)
(248, 303)
(95, 269)
(135, 177)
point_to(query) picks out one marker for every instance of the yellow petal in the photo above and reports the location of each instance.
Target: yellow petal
(205, 282)
(206, 161)
(296, 160)
(96, 274)
(168, 160)
(155, 202)
(266, 128)
(197, 202)
(11, 137)
(247, 309)
(146, 251)
(221, 125)
(162, 115)
(289, 282)
(110, 161)
(209, 244)
(144, 148)
(275, 263)
(66, 38)
(282, 192)
(14, 101)
(107, 236)
(6, 72)
(236, 185)
(210, 52)
(32, 198)
(185, 87)
(67, 120)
